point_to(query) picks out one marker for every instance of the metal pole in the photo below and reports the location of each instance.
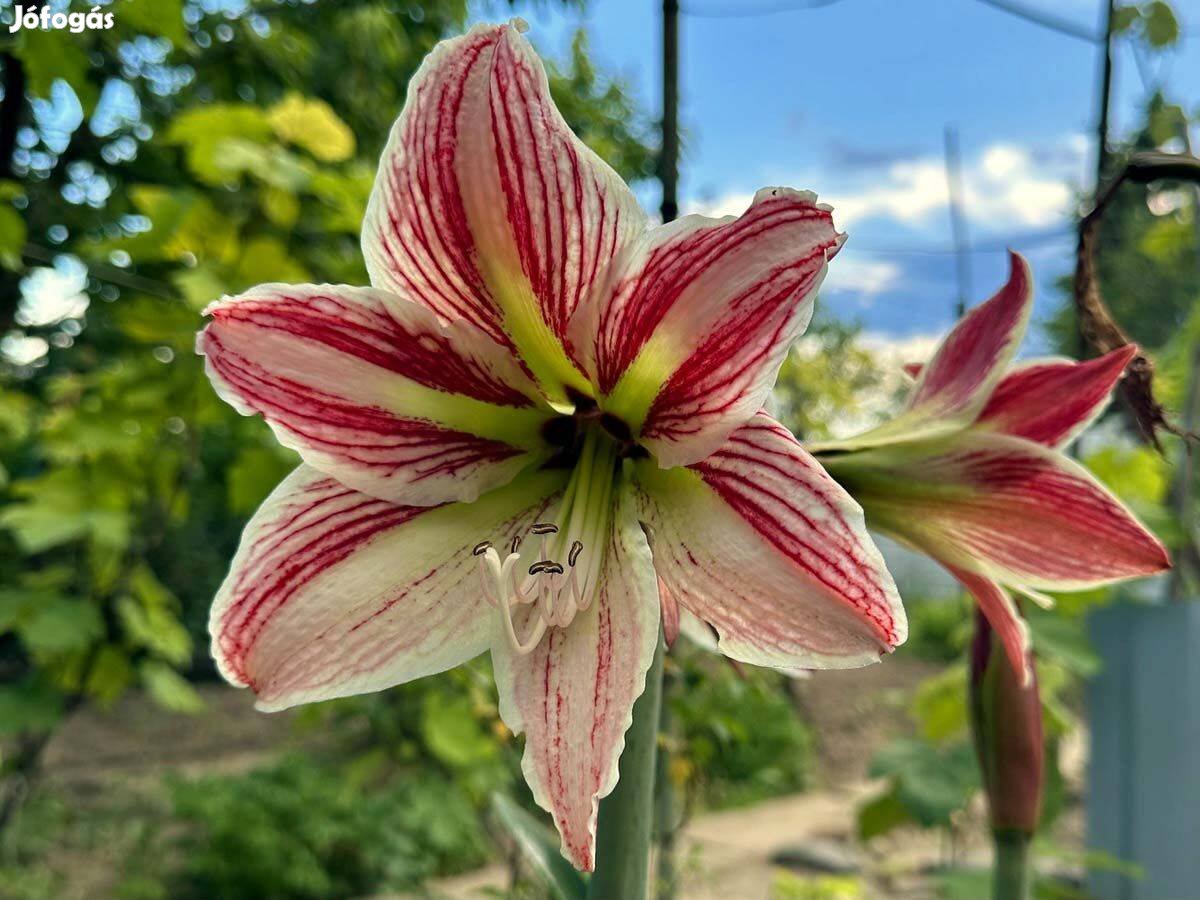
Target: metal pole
(1105, 96)
(666, 803)
(668, 161)
(958, 220)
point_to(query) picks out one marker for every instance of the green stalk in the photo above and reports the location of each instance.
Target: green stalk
(666, 801)
(1011, 871)
(627, 814)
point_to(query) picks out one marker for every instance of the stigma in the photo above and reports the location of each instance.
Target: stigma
(557, 590)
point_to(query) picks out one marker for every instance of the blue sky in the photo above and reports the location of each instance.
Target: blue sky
(851, 100)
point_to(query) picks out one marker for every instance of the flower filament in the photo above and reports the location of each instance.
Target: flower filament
(563, 577)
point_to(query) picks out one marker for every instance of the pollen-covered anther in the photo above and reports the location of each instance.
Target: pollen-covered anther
(554, 591)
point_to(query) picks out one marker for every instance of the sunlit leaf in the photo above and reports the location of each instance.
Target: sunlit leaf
(160, 18)
(168, 687)
(1162, 28)
(150, 619)
(312, 124)
(453, 733)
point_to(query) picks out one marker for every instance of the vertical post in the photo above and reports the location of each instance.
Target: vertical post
(958, 220)
(665, 802)
(1102, 125)
(668, 160)
(1106, 72)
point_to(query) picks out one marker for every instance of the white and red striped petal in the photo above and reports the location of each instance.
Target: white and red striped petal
(374, 390)
(333, 592)
(1052, 401)
(686, 338)
(487, 207)
(952, 388)
(1004, 617)
(970, 361)
(1002, 506)
(760, 543)
(573, 694)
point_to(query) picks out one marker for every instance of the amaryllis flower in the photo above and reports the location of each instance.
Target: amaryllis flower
(540, 408)
(972, 472)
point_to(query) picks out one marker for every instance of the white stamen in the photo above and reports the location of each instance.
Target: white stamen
(561, 581)
(553, 590)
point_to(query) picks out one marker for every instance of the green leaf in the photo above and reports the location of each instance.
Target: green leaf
(150, 620)
(109, 675)
(253, 475)
(1161, 26)
(279, 206)
(931, 782)
(168, 688)
(312, 124)
(29, 705)
(266, 259)
(12, 237)
(59, 625)
(52, 55)
(1124, 18)
(16, 414)
(272, 165)
(453, 733)
(158, 18)
(203, 129)
(539, 848)
(939, 707)
(13, 605)
(881, 815)
(200, 286)
(61, 506)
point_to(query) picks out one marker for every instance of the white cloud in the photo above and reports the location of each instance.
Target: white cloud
(867, 277)
(1006, 186)
(892, 352)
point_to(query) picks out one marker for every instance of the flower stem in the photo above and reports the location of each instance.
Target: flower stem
(627, 814)
(666, 801)
(1011, 873)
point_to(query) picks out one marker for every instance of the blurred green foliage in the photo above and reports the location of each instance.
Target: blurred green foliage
(299, 830)
(740, 736)
(195, 149)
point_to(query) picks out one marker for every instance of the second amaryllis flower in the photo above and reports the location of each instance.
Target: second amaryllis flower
(540, 411)
(972, 473)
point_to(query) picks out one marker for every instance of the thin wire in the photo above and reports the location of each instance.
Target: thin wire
(1045, 20)
(734, 12)
(1034, 239)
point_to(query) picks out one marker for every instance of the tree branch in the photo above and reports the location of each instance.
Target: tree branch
(10, 110)
(1097, 326)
